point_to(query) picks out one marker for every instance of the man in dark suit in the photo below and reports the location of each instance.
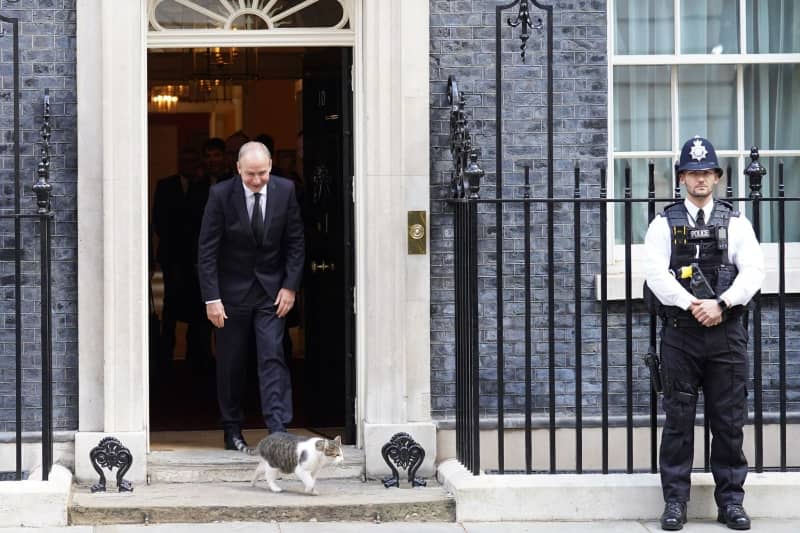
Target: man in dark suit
(250, 261)
(177, 210)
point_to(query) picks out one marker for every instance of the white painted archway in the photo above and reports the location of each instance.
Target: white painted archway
(391, 102)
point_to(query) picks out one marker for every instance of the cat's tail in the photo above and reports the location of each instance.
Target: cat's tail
(244, 448)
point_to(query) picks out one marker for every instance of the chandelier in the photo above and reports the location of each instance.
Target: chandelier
(164, 98)
(209, 77)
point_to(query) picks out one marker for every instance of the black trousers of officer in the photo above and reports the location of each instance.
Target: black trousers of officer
(714, 359)
(257, 311)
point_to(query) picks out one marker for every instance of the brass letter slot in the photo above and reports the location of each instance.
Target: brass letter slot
(417, 233)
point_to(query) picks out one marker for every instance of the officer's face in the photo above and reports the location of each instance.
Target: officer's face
(699, 183)
(254, 168)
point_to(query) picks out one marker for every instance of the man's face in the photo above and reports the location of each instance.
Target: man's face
(215, 162)
(189, 165)
(699, 183)
(254, 167)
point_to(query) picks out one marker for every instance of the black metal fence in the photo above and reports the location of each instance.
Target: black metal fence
(472, 375)
(41, 216)
(499, 352)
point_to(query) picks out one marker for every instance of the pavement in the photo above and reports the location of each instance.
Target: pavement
(699, 526)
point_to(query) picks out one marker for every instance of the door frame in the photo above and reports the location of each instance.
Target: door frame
(316, 38)
(392, 169)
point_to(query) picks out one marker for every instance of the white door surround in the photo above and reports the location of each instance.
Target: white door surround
(391, 132)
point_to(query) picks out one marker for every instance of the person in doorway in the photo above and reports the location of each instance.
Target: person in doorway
(704, 264)
(177, 209)
(214, 162)
(250, 261)
(232, 146)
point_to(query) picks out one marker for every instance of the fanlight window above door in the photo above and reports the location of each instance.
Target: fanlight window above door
(166, 15)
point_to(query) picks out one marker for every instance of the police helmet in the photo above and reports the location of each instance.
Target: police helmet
(698, 154)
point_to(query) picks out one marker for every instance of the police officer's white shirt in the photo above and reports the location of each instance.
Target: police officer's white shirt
(744, 251)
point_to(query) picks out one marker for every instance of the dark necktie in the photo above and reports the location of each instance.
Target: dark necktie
(701, 219)
(257, 220)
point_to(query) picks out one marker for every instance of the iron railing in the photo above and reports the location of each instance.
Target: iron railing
(488, 337)
(42, 217)
(473, 376)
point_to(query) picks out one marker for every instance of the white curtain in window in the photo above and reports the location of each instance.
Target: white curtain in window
(772, 121)
(773, 26)
(644, 27)
(710, 27)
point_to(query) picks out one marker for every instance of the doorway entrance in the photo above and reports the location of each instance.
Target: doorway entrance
(298, 100)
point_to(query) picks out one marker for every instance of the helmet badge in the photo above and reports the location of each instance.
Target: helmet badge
(698, 151)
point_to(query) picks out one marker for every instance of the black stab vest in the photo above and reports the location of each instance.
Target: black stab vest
(713, 243)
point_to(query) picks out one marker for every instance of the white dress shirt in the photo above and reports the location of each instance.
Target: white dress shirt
(744, 251)
(249, 200)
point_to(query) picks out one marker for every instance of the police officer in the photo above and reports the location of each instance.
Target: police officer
(704, 264)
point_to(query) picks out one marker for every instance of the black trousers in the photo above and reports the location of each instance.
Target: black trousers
(257, 311)
(182, 303)
(714, 359)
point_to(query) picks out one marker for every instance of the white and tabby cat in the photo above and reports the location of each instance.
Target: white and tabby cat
(287, 453)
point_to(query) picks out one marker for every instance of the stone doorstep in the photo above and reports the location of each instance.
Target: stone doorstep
(217, 466)
(585, 497)
(338, 500)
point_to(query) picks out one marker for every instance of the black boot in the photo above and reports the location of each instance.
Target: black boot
(674, 516)
(733, 516)
(234, 440)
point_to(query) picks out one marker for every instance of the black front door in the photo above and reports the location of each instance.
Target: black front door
(328, 216)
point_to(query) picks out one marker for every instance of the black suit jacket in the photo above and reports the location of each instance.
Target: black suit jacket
(229, 258)
(176, 220)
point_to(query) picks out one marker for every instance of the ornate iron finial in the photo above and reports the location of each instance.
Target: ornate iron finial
(465, 157)
(42, 187)
(755, 171)
(524, 19)
(473, 173)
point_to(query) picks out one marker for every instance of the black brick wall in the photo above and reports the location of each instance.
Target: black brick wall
(46, 60)
(463, 45)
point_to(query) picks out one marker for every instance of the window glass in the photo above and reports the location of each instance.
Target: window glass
(208, 14)
(710, 27)
(773, 26)
(642, 114)
(663, 172)
(772, 106)
(707, 104)
(201, 14)
(770, 215)
(644, 27)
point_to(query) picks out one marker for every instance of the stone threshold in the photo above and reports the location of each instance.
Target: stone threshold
(338, 500)
(218, 466)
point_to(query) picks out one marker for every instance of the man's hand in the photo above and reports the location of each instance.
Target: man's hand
(707, 312)
(216, 313)
(285, 301)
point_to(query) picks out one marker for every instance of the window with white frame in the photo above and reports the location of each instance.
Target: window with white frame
(728, 70)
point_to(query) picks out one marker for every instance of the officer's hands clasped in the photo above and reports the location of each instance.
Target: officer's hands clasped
(707, 312)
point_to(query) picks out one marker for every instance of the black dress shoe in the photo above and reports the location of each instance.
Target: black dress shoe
(235, 441)
(733, 516)
(674, 516)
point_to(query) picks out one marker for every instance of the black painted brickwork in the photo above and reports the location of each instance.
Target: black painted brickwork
(463, 45)
(47, 60)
